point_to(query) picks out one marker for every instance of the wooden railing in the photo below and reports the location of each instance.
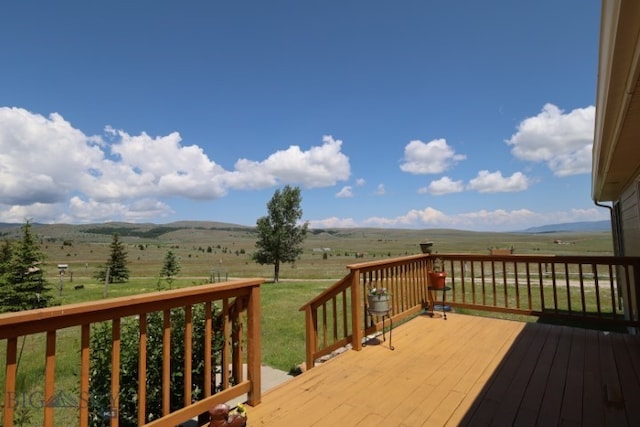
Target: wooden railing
(597, 291)
(338, 316)
(593, 290)
(239, 307)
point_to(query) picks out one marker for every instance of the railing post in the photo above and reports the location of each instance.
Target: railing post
(11, 370)
(356, 311)
(253, 347)
(429, 267)
(312, 335)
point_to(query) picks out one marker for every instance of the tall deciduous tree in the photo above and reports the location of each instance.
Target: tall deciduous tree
(116, 267)
(279, 235)
(23, 285)
(170, 268)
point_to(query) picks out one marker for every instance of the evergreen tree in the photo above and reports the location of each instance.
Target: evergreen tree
(22, 283)
(170, 268)
(5, 258)
(279, 235)
(116, 264)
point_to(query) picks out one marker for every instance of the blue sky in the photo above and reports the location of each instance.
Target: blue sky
(410, 114)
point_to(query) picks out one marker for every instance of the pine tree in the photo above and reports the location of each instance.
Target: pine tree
(22, 283)
(5, 258)
(170, 268)
(279, 236)
(116, 266)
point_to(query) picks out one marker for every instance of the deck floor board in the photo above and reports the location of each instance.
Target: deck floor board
(467, 370)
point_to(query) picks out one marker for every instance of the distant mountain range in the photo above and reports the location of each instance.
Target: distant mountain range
(154, 230)
(571, 226)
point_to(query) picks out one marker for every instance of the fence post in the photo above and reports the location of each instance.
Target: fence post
(253, 347)
(356, 311)
(311, 325)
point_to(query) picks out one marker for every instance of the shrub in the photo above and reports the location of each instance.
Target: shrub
(100, 404)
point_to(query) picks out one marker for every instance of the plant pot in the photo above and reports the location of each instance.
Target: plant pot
(379, 304)
(426, 247)
(437, 279)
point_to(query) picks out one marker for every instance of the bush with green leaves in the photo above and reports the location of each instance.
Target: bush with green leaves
(100, 404)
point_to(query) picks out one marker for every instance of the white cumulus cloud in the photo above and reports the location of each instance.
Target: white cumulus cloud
(561, 140)
(52, 172)
(444, 185)
(345, 192)
(321, 166)
(494, 182)
(415, 217)
(429, 157)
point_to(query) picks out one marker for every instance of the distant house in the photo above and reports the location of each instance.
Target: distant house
(616, 145)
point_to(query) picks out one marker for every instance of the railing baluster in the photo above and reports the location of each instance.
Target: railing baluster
(166, 362)
(629, 304)
(541, 285)
(324, 324)
(395, 283)
(463, 288)
(484, 290)
(10, 381)
(226, 347)
(555, 291)
(612, 290)
(237, 351)
(115, 371)
(515, 274)
(596, 283)
(583, 302)
(142, 369)
(527, 268)
(345, 318)
(85, 343)
(334, 314)
(50, 378)
(493, 282)
(208, 334)
(568, 286)
(188, 354)
(504, 284)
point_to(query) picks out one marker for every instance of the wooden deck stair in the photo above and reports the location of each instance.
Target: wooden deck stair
(467, 370)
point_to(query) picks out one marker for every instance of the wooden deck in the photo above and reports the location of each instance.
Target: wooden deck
(467, 370)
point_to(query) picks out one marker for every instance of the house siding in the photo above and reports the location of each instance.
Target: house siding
(630, 220)
(629, 208)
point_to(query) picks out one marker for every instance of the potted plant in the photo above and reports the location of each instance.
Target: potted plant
(426, 247)
(378, 301)
(437, 275)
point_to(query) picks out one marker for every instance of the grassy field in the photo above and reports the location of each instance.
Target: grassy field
(213, 252)
(206, 249)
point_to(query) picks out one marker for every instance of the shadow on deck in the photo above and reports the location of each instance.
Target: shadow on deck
(467, 370)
